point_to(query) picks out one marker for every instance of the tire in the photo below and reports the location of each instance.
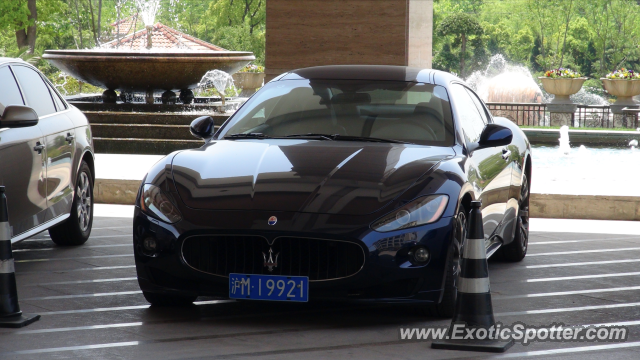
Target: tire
(517, 249)
(77, 228)
(156, 299)
(446, 307)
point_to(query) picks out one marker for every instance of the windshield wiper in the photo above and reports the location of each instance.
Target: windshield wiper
(365, 138)
(345, 138)
(247, 136)
(311, 135)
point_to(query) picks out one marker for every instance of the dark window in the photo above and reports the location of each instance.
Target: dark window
(9, 91)
(479, 106)
(468, 116)
(35, 91)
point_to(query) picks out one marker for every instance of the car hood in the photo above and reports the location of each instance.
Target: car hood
(329, 177)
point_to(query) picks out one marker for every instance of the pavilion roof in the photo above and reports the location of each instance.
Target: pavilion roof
(127, 25)
(162, 37)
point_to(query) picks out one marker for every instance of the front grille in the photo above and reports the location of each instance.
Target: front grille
(317, 259)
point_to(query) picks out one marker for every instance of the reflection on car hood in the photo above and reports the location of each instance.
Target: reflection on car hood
(330, 177)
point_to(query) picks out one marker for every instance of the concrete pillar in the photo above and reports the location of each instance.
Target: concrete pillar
(620, 119)
(560, 119)
(334, 32)
(561, 114)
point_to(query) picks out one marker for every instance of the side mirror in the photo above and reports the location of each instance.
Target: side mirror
(17, 116)
(202, 127)
(493, 135)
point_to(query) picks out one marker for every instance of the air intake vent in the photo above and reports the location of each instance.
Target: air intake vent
(318, 259)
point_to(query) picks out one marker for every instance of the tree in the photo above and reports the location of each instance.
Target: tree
(20, 16)
(535, 52)
(568, 13)
(236, 25)
(444, 59)
(461, 26)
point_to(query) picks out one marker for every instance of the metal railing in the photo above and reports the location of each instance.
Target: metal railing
(588, 116)
(599, 116)
(527, 114)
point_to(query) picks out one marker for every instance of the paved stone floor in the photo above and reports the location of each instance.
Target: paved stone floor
(92, 308)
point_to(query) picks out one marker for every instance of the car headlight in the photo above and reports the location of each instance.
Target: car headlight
(422, 211)
(158, 204)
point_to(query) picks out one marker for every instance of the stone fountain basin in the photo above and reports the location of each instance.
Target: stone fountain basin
(144, 70)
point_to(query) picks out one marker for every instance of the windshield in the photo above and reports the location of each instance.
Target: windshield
(392, 110)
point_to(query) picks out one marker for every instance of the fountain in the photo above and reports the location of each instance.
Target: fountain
(565, 147)
(220, 80)
(152, 59)
(146, 62)
(505, 83)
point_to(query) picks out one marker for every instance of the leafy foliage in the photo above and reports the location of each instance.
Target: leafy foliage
(83, 24)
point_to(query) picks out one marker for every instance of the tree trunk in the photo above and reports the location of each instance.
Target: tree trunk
(79, 24)
(21, 38)
(566, 28)
(93, 23)
(99, 17)
(27, 37)
(31, 30)
(463, 50)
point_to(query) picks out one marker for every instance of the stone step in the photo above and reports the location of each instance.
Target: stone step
(142, 131)
(114, 117)
(143, 146)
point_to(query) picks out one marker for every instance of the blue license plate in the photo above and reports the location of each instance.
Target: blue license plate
(269, 287)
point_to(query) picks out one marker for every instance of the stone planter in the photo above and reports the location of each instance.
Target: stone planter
(562, 88)
(248, 82)
(561, 108)
(623, 89)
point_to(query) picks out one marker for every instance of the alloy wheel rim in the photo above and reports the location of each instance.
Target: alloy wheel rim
(460, 237)
(523, 219)
(84, 201)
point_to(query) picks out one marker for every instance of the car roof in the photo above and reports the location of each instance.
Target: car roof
(8, 60)
(371, 72)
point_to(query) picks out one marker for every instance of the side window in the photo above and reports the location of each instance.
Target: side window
(479, 106)
(9, 91)
(56, 99)
(35, 90)
(468, 116)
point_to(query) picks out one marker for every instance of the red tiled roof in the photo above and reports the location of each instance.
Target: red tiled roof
(162, 37)
(127, 25)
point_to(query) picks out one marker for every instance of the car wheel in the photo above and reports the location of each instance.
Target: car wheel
(447, 305)
(77, 228)
(168, 300)
(517, 249)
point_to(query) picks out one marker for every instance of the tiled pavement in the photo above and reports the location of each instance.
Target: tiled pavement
(91, 306)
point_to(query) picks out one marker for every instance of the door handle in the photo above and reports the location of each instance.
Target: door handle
(69, 138)
(506, 154)
(38, 148)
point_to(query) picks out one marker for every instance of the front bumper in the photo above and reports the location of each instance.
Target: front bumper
(387, 275)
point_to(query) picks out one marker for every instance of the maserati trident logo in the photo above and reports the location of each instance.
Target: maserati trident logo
(272, 220)
(270, 262)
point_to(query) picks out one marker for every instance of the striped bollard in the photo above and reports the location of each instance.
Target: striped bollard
(10, 314)
(473, 300)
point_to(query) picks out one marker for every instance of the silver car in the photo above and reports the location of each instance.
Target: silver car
(46, 158)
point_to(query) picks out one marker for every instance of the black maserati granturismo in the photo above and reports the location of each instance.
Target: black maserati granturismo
(334, 183)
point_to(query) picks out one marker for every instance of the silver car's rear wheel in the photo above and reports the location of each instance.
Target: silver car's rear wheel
(77, 228)
(84, 198)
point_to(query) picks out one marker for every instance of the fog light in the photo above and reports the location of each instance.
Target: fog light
(420, 255)
(149, 244)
